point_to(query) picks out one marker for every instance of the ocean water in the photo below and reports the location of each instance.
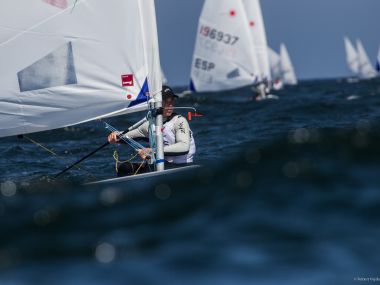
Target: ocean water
(289, 193)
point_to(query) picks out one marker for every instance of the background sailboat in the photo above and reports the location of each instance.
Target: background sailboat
(257, 29)
(378, 61)
(365, 69)
(84, 61)
(289, 76)
(351, 56)
(275, 68)
(223, 58)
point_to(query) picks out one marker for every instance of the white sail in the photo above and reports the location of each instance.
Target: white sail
(223, 57)
(164, 79)
(366, 70)
(351, 56)
(275, 69)
(378, 61)
(64, 64)
(257, 28)
(275, 63)
(288, 74)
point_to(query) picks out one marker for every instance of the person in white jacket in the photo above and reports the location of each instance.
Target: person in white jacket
(179, 144)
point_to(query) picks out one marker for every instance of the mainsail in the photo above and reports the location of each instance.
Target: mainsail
(287, 69)
(351, 56)
(223, 57)
(65, 62)
(257, 29)
(366, 70)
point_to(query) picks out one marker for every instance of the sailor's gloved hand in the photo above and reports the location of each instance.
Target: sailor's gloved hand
(113, 137)
(144, 153)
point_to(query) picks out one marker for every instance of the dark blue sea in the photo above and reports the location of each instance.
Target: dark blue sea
(289, 193)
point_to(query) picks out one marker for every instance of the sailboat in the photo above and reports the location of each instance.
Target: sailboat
(259, 39)
(275, 68)
(351, 58)
(69, 62)
(224, 57)
(288, 74)
(365, 69)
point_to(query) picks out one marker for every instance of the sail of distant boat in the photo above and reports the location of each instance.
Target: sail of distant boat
(288, 74)
(164, 79)
(68, 62)
(257, 29)
(351, 56)
(365, 69)
(275, 68)
(378, 61)
(223, 58)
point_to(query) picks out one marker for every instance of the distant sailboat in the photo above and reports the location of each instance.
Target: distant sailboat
(224, 57)
(352, 58)
(257, 28)
(275, 68)
(378, 61)
(365, 69)
(288, 74)
(259, 39)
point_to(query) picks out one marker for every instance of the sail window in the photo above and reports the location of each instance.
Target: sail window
(55, 69)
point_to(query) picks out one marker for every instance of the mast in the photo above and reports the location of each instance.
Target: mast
(151, 54)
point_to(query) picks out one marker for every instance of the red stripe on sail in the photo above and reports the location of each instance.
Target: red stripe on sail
(62, 4)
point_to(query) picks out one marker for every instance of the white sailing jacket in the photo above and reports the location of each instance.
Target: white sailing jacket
(179, 144)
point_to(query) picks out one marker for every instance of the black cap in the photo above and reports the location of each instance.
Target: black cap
(167, 92)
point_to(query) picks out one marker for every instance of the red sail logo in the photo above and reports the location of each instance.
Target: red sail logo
(62, 4)
(127, 80)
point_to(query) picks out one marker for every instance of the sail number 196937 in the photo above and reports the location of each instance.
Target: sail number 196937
(219, 36)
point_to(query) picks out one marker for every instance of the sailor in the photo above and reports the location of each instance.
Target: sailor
(262, 90)
(179, 145)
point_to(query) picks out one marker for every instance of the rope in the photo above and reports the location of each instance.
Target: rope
(135, 145)
(117, 162)
(142, 163)
(54, 154)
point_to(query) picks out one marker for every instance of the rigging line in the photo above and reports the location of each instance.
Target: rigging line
(142, 163)
(75, 3)
(134, 144)
(129, 141)
(54, 154)
(117, 161)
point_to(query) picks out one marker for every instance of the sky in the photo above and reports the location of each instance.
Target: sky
(313, 31)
